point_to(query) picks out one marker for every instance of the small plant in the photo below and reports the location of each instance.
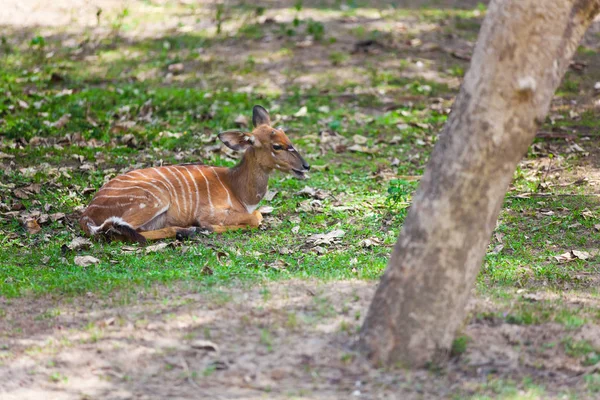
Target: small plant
(265, 293)
(337, 57)
(266, 339)
(315, 29)
(38, 43)
(582, 348)
(292, 321)
(219, 17)
(592, 382)
(347, 358)
(57, 377)
(119, 22)
(459, 345)
(400, 192)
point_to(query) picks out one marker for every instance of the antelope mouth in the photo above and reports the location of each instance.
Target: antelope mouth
(299, 173)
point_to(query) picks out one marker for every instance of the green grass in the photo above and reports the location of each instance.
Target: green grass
(174, 91)
(175, 121)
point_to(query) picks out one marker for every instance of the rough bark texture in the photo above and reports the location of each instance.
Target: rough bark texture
(523, 51)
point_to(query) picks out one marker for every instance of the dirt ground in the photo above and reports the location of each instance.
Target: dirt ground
(291, 339)
(288, 339)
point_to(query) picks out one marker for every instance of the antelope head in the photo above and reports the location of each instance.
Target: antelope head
(271, 147)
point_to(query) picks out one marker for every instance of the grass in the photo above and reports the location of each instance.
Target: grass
(174, 123)
(112, 87)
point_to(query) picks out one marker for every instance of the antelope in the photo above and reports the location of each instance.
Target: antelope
(180, 200)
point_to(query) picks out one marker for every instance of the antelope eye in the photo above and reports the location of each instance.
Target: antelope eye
(277, 147)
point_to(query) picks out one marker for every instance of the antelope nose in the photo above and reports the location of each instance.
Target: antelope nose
(306, 166)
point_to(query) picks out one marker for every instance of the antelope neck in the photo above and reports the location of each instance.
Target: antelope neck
(249, 180)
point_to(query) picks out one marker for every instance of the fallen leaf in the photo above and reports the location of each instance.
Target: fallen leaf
(564, 257)
(156, 247)
(270, 195)
(325, 238)
(499, 236)
(204, 345)
(314, 193)
(284, 251)
(241, 120)
(359, 139)
(582, 255)
(84, 261)
(533, 297)
(130, 249)
(266, 209)
(295, 229)
(79, 243)
(301, 112)
(4, 155)
(32, 226)
(277, 265)
(332, 141)
(176, 68)
(61, 122)
(368, 243)
(21, 194)
(363, 149)
(23, 104)
(25, 192)
(497, 249)
(57, 216)
(129, 140)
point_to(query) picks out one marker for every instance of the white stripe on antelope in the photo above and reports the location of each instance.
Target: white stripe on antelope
(173, 208)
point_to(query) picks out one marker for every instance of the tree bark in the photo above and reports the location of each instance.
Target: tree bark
(523, 50)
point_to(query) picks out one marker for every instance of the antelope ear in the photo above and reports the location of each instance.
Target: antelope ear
(236, 140)
(260, 116)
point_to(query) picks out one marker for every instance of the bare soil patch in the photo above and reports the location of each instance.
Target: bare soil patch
(284, 339)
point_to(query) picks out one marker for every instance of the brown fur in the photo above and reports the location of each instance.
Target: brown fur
(156, 203)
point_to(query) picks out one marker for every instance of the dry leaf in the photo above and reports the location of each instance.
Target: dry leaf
(25, 192)
(326, 238)
(582, 255)
(270, 195)
(156, 247)
(498, 249)
(499, 236)
(363, 149)
(314, 193)
(62, 121)
(176, 68)
(84, 261)
(301, 112)
(21, 194)
(79, 243)
(32, 226)
(368, 243)
(241, 120)
(204, 345)
(359, 139)
(563, 258)
(57, 216)
(265, 210)
(332, 141)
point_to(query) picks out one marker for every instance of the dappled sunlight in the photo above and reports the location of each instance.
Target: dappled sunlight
(363, 90)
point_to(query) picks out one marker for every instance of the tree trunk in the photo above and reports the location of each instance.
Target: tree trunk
(523, 51)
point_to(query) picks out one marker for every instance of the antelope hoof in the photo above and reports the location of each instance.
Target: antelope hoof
(258, 217)
(186, 234)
